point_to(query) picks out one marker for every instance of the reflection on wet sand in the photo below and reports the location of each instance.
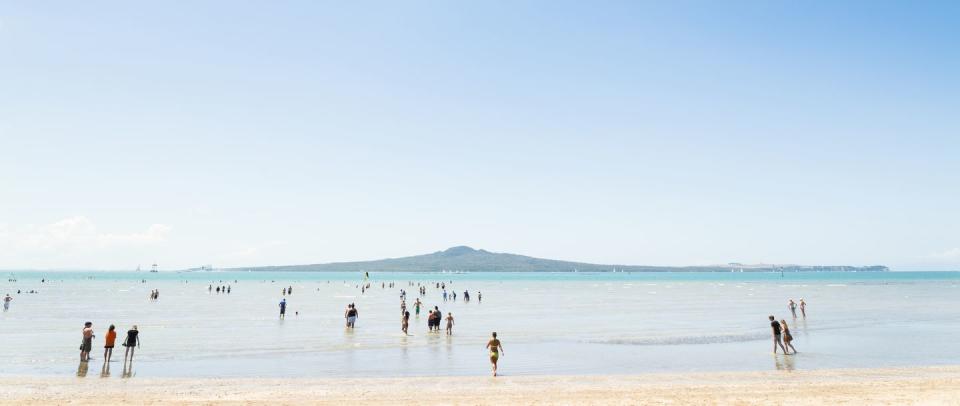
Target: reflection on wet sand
(105, 370)
(785, 362)
(82, 369)
(127, 370)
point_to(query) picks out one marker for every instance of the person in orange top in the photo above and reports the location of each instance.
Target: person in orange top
(108, 345)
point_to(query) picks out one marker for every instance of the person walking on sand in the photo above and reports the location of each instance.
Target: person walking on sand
(793, 307)
(776, 335)
(787, 337)
(449, 324)
(132, 341)
(6, 302)
(496, 350)
(405, 322)
(803, 308)
(87, 344)
(108, 343)
(283, 308)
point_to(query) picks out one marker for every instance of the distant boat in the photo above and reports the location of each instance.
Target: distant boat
(153, 268)
(138, 267)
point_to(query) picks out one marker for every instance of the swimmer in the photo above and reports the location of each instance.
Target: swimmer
(449, 324)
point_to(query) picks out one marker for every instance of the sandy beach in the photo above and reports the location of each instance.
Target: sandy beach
(926, 386)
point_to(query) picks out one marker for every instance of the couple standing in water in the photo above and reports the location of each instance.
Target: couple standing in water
(781, 336)
(351, 315)
(793, 307)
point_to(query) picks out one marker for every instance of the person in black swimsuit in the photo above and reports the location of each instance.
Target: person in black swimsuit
(776, 335)
(132, 341)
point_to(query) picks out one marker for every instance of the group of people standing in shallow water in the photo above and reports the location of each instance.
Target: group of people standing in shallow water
(219, 289)
(781, 331)
(434, 316)
(132, 341)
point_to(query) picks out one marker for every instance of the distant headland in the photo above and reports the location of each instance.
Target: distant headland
(466, 259)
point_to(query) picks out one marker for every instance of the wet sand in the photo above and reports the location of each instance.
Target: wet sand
(924, 385)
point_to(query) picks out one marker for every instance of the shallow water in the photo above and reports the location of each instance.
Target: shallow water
(569, 323)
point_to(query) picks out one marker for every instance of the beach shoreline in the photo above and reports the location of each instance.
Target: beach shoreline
(913, 385)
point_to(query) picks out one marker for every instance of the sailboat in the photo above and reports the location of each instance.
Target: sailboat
(154, 268)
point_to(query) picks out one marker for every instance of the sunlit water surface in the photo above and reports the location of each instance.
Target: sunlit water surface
(571, 323)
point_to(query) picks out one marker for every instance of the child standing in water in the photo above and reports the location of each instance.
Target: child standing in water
(405, 322)
(449, 324)
(108, 343)
(496, 349)
(803, 307)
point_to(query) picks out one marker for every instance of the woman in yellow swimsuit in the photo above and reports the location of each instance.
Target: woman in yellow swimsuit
(496, 349)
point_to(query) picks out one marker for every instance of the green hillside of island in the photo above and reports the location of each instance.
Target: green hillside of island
(466, 259)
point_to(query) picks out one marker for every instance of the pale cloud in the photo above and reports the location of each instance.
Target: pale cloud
(950, 254)
(77, 233)
(245, 256)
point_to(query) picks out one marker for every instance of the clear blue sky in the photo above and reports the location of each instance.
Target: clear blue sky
(675, 133)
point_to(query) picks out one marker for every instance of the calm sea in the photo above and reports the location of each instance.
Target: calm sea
(550, 323)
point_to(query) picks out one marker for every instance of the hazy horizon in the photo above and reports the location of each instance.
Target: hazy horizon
(147, 267)
(693, 133)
